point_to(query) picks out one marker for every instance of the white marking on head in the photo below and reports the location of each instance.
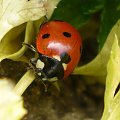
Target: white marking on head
(40, 64)
(59, 46)
(56, 57)
(64, 66)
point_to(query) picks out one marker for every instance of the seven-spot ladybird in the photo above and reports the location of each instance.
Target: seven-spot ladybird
(59, 47)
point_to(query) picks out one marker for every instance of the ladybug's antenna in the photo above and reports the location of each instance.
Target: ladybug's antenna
(30, 47)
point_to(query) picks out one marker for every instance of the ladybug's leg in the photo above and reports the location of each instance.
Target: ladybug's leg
(40, 79)
(41, 74)
(33, 62)
(30, 47)
(35, 65)
(54, 79)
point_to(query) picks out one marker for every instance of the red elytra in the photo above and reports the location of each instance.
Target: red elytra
(56, 37)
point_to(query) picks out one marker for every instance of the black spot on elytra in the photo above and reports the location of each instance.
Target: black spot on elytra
(65, 58)
(66, 34)
(45, 36)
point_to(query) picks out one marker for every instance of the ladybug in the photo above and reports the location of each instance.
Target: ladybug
(58, 45)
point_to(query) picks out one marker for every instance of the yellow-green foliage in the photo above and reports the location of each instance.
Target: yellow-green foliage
(112, 100)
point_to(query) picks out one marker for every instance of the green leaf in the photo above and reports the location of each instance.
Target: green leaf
(112, 101)
(97, 67)
(110, 16)
(76, 12)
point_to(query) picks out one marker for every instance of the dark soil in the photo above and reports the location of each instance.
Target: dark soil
(77, 100)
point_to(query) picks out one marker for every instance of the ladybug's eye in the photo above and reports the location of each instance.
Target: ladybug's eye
(66, 34)
(45, 36)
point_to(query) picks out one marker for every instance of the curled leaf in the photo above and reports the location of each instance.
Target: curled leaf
(16, 12)
(13, 14)
(11, 46)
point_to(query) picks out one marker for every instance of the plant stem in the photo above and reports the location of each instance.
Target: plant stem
(24, 82)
